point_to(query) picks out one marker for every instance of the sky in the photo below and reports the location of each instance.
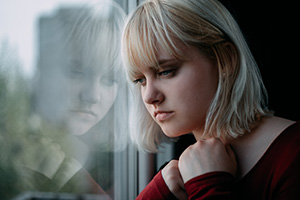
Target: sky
(18, 26)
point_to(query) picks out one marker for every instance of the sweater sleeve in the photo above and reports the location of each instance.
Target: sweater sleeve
(157, 189)
(213, 185)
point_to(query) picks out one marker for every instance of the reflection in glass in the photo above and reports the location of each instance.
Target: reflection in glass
(60, 134)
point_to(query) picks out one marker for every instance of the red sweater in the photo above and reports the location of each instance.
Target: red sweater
(275, 176)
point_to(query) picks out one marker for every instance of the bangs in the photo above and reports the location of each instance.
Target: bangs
(147, 31)
(92, 37)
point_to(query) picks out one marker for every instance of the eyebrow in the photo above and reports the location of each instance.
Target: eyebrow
(161, 63)
(137, 73)
(164, 61)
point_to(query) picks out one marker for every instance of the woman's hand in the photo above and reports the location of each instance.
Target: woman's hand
(206, 156)
(173, 179)
(42, 155)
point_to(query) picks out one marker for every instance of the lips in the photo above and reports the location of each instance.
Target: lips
(163, 115)
(85, 114)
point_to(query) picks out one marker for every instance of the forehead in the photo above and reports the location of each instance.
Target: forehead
(160, 58)
(162, 55)
(144, 40)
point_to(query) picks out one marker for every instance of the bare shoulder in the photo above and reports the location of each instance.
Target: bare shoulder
(267, 131)
(275, 125)
(251, 147)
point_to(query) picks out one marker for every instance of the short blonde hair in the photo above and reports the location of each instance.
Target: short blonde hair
(91, 33)
(241, 98)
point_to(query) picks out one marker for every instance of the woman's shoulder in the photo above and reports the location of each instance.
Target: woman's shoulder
(282, 132)
(273, 129)
(271, 133)
(293, 128)
(276, 125)
(282, 156)
(276, 167)
(287, 142)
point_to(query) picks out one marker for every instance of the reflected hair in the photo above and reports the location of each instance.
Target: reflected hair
(92, 34)
(241, 98)
(99, 28)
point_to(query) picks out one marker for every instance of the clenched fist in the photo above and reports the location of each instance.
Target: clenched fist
(205, 156)
(172, 178)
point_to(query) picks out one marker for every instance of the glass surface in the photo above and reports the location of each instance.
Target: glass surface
(62, 97)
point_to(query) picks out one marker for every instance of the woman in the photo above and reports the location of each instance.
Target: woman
(194, 73)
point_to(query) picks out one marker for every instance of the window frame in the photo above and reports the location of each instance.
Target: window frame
(140, 167)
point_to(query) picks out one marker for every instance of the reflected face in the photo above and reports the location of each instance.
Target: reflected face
(179, 94)
(78, 95)
(78, 84)
(90, 94)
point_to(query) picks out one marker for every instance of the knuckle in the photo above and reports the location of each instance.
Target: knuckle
(171, 167)
(183, 157)
(173, 162)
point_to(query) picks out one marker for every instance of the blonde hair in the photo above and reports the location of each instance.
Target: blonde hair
(91, 32)
(241, 98)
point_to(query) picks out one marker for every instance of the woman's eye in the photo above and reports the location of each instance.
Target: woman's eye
(77, 74)
(140, 81)
(166, 72)
(108, 81)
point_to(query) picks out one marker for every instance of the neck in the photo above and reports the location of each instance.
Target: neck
(198, 134)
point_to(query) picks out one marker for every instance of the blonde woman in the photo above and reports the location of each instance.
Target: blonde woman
(194, 73)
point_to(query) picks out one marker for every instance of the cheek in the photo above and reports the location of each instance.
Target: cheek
(66, 95)
(73, 93)
(109, 95)
(71, 96)
(195, 97)
(73, 89)
(200, 102)
(202, 88)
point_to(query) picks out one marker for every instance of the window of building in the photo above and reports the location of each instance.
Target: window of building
(63, 103)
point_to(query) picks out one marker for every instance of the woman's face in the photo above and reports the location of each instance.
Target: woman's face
(78, 86)
(179, 94)
(90, 95)
(78, 95)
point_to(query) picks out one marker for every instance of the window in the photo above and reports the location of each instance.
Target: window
(63, 127)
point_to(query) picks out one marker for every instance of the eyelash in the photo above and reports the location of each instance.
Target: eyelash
(169, 72)
(140, 80)
(164, 73)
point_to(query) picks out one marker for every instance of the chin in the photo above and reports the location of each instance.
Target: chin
(173, 134)
(78, 128)
(77, 132)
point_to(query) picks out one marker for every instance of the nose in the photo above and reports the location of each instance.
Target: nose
(91, 93)
(152, 94)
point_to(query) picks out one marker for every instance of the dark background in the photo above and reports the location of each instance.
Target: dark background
(272, 31)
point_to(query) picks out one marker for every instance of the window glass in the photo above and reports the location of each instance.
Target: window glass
(63, 99)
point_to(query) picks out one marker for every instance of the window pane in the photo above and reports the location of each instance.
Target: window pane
(63, 102)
